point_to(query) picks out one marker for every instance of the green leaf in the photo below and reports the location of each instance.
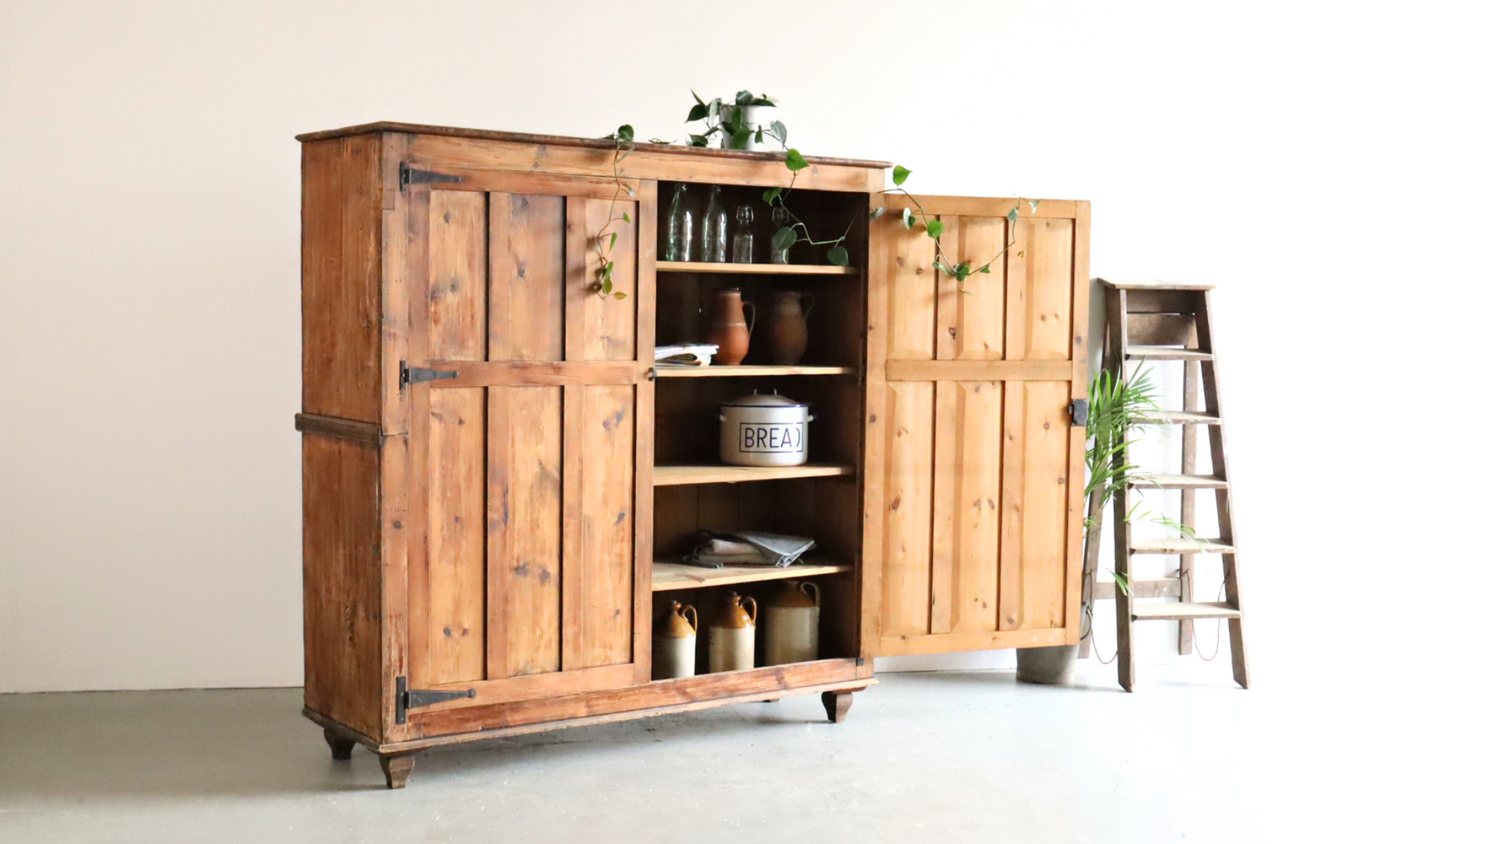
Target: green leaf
(962, 272)
(876, 212)
(1015, 214)
(984, 269)
(626, 215)
(934, 229)
(778, 131)
(698, 140)
(743, 98)
(607, 286)
(619, 295)
(697, 99)
(908, 218)
(784, 238)
(838, 256)
(613, 236)
(609, 270)
(760, 135)
(625, 133)
(794, 160)
(770, 194)
(1034, 204)
(697, 112)
(899, 175)
(741, 138)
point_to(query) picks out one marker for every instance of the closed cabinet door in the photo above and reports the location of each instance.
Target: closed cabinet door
(974, 474)
(527, 395)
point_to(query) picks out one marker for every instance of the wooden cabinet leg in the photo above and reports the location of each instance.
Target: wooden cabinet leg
(341, 747)
(397, 767)
(837, 705)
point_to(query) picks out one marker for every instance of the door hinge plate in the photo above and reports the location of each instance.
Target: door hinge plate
(408, 699)
(418, 374)
(412, 176)
(1079, 410)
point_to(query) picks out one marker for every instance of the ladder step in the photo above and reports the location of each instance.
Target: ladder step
(1151, 480)
(1179, 545)
(1183, 609)
(1180, 417)
(1165, 353)
(1167, 587)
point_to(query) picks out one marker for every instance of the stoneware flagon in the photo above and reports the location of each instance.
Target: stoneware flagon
(675, 645)
(731, 636)
(792, 623)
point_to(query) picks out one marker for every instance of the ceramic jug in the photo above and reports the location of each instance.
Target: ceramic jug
(675, 645)
(728, 329)
(792, 623)
(731, 636)
(786, 329)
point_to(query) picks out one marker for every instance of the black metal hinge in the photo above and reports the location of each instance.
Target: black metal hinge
(1079, 410)
(417, 374)
(412, 698)
(412, 176)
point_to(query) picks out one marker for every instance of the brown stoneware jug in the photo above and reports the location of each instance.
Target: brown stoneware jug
(792, 623)
(786, 327)
(727, 327)
(675, 644)
(731, 637)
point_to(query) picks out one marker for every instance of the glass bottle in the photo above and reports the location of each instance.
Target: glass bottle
(744, 235)
(780, 219)
(715, 228)
(679, 227)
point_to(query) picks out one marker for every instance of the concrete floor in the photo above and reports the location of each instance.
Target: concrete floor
(932, 757)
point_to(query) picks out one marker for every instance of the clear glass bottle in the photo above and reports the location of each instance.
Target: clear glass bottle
(679, 246)
(744, 235)
(715, 228)
(780, 219)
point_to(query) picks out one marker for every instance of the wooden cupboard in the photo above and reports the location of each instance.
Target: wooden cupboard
(497, 478)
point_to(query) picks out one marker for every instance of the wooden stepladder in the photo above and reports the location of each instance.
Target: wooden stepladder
(1173, 322)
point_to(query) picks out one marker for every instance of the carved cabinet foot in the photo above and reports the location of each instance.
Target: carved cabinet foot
(397, 768)
(837, 705)
(340, 746)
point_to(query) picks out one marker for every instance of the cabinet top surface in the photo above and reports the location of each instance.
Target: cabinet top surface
(564, 140)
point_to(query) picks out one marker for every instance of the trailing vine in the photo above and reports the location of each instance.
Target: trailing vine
(934, 230)
(604, 274)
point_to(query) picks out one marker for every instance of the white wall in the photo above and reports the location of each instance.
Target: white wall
(1321, 162)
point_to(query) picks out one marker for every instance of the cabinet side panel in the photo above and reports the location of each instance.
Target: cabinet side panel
(341, 321)
(341, 581)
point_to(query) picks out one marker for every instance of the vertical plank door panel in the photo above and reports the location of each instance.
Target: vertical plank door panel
(525, 531)
(456, 533)
(605, 565)
(600, 327)
(976, 476)
(526, 277)
(908, 509)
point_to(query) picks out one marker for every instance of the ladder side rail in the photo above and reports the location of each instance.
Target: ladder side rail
(1124, 602)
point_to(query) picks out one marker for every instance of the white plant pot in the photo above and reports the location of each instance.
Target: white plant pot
(756, 117)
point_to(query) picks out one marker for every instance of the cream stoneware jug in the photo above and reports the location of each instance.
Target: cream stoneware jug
(792, 623)
(675, 645)
(731, 636)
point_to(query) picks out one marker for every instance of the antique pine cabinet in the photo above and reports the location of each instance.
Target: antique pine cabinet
(497, 478)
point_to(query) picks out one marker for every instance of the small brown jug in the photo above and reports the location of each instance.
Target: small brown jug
(792, 623)
(727, 327)
(786, 337)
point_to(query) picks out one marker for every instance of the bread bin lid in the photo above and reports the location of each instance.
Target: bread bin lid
(755, 399)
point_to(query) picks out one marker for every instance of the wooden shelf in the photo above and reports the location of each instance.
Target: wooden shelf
(666, 575)
(753, 269)
(670, 371)
(677, 475)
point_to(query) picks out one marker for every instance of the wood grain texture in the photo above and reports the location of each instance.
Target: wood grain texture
(526, 235)
(457, 293)
(908, 509)
(973, 595)
(341, 609)
(456, 533)
(1039, 290)
(1034, 527)
(525, 531)
(341, 278)
(911, 287)
(977, 329)
(606, 565)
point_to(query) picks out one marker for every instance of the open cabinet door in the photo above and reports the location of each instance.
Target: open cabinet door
(975, 474)
(529, 535)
